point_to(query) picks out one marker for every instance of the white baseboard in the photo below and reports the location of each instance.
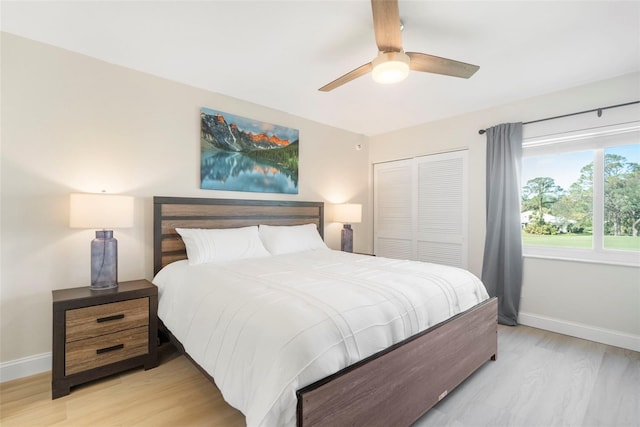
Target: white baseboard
(25, 367)
(579, 330)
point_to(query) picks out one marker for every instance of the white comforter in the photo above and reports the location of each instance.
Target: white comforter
(265, 327)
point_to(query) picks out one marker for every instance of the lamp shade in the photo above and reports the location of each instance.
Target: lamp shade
(348, 213)
(105, 211)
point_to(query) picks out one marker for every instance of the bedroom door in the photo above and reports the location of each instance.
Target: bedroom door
(420, 209)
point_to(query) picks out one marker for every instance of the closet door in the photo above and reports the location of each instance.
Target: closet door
(393, 214)
(441, 234)
(420, 209)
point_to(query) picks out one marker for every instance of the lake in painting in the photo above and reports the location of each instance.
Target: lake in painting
(232, 171)
(240, 154)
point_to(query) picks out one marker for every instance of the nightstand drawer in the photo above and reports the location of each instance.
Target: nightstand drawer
(97, 320)
(103, 350)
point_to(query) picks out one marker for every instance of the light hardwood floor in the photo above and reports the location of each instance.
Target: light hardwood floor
(546, 379)
(539, 379)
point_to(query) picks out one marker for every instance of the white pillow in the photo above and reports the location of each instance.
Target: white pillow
(222, 244)
(292, 238)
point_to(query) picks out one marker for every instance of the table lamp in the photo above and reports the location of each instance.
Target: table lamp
(347, 213)
(103, 211)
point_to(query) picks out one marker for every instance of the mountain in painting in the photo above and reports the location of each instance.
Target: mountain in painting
(220, 134)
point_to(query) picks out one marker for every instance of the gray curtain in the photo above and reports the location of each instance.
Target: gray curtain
(502, 262)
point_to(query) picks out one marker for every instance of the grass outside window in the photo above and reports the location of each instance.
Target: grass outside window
(581, 241)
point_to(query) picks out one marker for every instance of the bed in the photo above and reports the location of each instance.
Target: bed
(392, 385)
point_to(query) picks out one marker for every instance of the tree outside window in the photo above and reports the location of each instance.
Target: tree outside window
(621, 199)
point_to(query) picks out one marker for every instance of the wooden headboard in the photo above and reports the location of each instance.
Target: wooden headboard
(189, 212)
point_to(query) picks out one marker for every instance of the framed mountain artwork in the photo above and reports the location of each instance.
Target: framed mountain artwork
(241, 154)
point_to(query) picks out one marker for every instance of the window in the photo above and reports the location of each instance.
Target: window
(580, 195)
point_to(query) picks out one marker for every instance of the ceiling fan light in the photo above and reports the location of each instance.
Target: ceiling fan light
(390, 67)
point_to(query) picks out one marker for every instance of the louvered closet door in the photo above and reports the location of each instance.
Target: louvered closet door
(420, 209)
(394, 219)
(442, 209)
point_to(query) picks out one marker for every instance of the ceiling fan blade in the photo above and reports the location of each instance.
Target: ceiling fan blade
(386, 25)
(438, 65)
(351, 75)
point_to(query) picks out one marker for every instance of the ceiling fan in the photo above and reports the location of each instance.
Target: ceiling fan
(392, 63)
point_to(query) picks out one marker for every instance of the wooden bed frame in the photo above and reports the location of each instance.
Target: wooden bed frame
(391, 388)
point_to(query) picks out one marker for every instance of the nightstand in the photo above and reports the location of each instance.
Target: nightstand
(100, 333)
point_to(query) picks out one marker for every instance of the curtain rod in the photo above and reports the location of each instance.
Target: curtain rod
(599, 110)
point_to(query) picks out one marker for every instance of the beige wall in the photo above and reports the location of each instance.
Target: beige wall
(71, 123)
(555, 293)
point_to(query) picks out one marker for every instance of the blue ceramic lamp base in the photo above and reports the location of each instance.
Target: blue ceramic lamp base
(104, 261)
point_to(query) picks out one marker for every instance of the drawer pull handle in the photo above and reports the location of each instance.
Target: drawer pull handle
(109, 318)
(108, 349)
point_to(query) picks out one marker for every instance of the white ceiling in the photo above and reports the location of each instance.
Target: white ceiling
(278, 53)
